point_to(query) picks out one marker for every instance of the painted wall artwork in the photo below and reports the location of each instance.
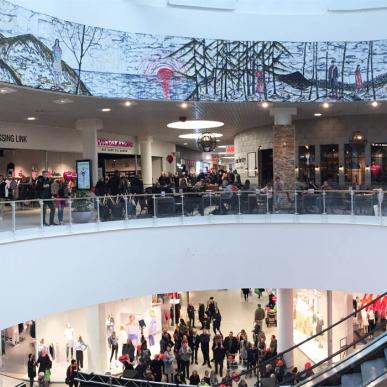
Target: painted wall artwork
(44, 52)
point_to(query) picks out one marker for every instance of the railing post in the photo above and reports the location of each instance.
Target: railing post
(13, 206)
(267, 203)
(351, 193)
(295, 203)
(182, 204)
(70, 210)
(210, 199)
(380, 199)
(324, 204)
(41, 204)
(126, 206)
(98, 215)
(154, 206)
(239, 202)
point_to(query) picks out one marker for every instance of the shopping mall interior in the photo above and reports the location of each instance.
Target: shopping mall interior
(156, 165)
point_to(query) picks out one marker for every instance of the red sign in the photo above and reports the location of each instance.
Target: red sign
(115, 143)
(379, 306)
(230, 149)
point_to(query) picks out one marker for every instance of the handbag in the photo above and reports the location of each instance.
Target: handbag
(47, 375)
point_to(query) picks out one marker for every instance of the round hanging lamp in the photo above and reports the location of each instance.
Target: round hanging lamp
(206, 142)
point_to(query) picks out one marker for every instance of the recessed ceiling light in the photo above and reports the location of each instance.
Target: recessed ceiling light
(184, 105)
(217, 140)
(62, 101)
(222, 146)
(374, 103)
(128, 103)
(317, 114)
(325, 105)
(186, 143)
(195, 124)
(265, 104)
(194, 136)
(7, 90)
(31, 118)
(106, 110)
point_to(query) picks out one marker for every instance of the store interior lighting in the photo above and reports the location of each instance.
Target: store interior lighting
(195, 136)
(195, 124)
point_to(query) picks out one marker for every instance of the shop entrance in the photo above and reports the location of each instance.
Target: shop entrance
(265, 166)
(108, 163)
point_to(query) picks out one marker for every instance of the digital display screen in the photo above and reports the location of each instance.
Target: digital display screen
(84, 174)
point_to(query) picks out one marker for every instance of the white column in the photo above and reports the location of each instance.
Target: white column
(89, 129)
(146, 160)
(285, 323)
(96, 340)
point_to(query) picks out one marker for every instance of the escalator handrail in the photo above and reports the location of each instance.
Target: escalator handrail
(281, 354)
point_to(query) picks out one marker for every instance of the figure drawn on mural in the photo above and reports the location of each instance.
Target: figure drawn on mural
(333, 74)
(152, 328)
(260, 87)
(358, 80)
(57, 63)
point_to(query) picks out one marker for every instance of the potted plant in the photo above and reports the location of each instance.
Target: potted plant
(82, 207)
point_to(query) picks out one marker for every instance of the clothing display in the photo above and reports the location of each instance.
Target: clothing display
(69, 336)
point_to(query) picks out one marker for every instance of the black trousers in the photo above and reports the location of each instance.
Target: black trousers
(194, 355)
(50, 205)
(32, 382)
(191, 320)
(114, 351)
(206, 357)
(79, 358)
(184, 364)
(219, 364)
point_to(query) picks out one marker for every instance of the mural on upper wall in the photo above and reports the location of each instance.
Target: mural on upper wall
(44, 52)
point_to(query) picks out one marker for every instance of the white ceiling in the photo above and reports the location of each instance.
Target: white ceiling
(151, 117)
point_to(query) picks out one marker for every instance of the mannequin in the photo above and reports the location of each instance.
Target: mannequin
(152, 331)
(42, 348)
(123, 336)
(69, 336)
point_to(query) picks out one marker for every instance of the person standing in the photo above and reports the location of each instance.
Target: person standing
(194, 342)
(246, 293)
(185, 353)
(217, 320)
(43, 188)
(31, 368)
(231, 346)
(205, 347)
(358, 80)
(128, 349)
(168, 364)
(57, 63)
(259, 315)
(113, 344)
(191, 315)
(71, 374)
(219, 354)
(79, 348)
(279, 187)
(156, 366)
(333, 75)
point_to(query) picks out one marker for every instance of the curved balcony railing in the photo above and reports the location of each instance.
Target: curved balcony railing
(38, 213)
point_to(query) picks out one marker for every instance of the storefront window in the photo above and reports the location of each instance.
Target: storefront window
(379, 163)
(354, 163)
(329, 163)
(306, 163)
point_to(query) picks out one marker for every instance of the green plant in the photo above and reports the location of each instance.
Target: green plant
(83, 201)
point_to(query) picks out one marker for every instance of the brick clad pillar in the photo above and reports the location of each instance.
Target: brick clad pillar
(284, 154)
(284, 145)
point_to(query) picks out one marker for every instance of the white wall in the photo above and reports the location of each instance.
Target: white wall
(286, 20)
(317, 256)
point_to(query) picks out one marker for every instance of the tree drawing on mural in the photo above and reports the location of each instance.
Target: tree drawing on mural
(79, 39)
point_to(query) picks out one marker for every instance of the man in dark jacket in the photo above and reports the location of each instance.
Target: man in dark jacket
(128, 349)
(156, 366)
(194, 343)
(166, 341)
(205, 346)
(43, 188)
(114, 184)
(219, 354)
(231, 345)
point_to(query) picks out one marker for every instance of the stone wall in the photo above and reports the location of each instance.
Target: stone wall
(284, 143)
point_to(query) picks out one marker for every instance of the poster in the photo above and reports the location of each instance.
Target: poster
(84, 174)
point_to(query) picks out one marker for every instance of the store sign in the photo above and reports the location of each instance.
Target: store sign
(12, 138)
(114, 146)
(379, 305)
(230, 149)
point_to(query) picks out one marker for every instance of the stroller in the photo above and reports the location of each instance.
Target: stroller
(271, 318)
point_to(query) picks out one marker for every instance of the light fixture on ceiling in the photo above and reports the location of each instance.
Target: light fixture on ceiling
(62, 101)
(106, 110)
(374, 104)
(265, 104)
(186, 143)
(224, 153)
(194, 124)
(206, 142)
(31, 118)
(184, 105)
(195, 136)
(217, 140)
(222, 146)
(7, 90)
(228, 157)
(128, 103)
(317, 114)
(325, 105)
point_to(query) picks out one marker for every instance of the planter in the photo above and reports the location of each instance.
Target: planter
(81, 216)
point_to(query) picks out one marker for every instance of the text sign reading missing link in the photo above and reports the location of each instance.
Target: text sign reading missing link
(13, 138)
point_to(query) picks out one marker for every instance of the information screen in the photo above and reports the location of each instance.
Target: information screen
(84, 174)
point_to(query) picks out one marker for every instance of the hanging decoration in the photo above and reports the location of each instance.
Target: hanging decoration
(170, 159)
(206, 142)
